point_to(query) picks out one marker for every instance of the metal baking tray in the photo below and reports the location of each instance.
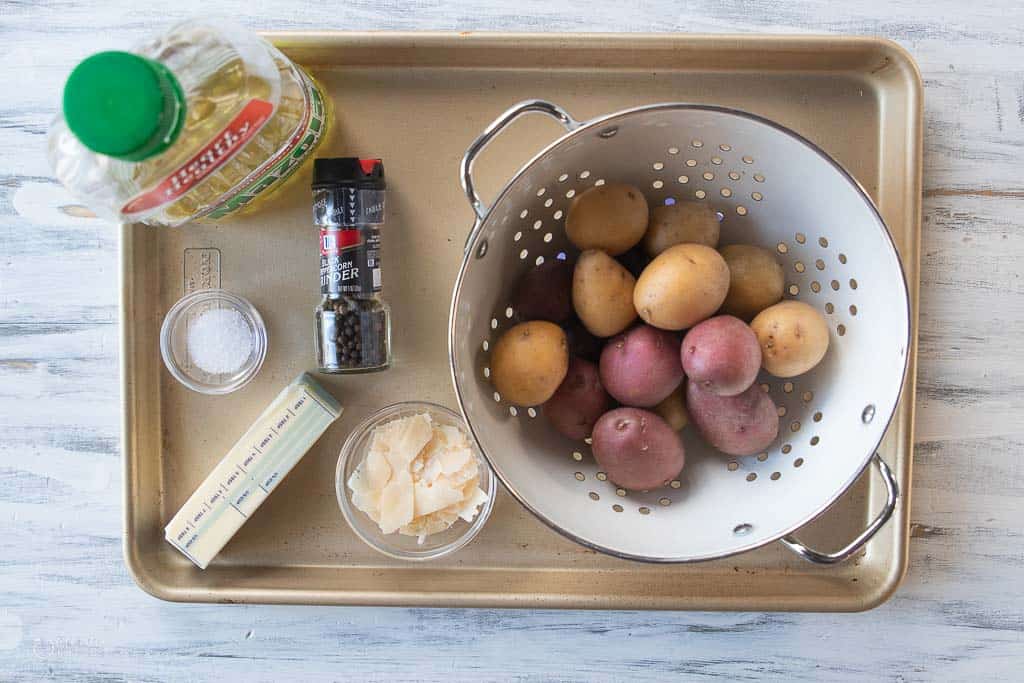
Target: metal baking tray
(418, 100)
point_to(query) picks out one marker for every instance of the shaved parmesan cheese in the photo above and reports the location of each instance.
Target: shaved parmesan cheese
(418, 477)
(431, 497)
(396, 503)
(469, 507)
(378, 471)
(405, 439)
(454, 460)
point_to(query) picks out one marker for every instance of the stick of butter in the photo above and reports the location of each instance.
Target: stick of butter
(256, 464)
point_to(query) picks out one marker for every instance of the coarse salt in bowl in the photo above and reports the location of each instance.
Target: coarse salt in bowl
(213, 341)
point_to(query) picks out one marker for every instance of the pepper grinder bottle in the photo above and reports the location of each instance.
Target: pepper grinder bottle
(353, 322)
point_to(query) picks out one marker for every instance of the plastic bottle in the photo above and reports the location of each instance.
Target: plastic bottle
(200, 122)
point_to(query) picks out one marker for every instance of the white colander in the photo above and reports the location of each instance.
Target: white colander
(771, 188)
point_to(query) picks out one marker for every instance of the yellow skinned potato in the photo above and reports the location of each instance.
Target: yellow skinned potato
(756, 280)
(793, 338)
(682, 222)
(611, 217)
(685, 284)
(529, 361)
(602, 294)
(673, 409)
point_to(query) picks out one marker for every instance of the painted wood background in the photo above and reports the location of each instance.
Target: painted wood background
(68, 609)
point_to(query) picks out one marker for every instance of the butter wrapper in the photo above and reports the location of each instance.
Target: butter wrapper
(252, 468)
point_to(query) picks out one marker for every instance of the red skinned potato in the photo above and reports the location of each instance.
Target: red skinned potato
(637, 449)
(641, 367)
(545, 292)
(579, 401)
(736, 425)
(722, 355)
(581, 342)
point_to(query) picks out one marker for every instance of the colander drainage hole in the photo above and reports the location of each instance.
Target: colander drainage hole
(742, 529)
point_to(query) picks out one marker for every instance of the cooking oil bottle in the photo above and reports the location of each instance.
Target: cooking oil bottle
(201, 122)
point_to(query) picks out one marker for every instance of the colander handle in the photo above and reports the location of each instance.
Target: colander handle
(892, 493)
(491, 132)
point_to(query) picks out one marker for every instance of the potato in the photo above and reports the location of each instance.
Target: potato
(581, 342)
(641, 367)
(673, 409)
(602, 294)
(635, 260)
(637, 449)
(793, 337)
(579, 401)
(545, 293)
(755, 280)
(722, 355)
(736, 425)
(611, 217)
(692, 222)
(529, 361)
(682, 286)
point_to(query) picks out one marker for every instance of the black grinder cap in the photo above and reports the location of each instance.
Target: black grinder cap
(362, 174)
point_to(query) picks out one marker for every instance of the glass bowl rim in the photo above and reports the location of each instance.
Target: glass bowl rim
(349, 511)
(239, 303)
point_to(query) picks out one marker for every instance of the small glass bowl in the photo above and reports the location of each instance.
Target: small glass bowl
(395, 544)
(174, 341)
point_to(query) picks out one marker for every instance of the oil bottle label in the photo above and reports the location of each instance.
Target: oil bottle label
(274, 171)
(222, 147)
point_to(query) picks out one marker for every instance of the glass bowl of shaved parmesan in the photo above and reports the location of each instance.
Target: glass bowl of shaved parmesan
(411, 482)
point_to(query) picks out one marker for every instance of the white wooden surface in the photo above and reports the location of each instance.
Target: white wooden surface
(68, 609)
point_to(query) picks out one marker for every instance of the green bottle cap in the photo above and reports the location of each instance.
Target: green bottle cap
(124, 105)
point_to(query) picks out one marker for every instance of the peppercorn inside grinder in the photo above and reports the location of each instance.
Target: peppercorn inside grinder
(353, 322)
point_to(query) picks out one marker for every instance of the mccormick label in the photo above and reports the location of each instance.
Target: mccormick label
(222, 147)
(349, 260)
